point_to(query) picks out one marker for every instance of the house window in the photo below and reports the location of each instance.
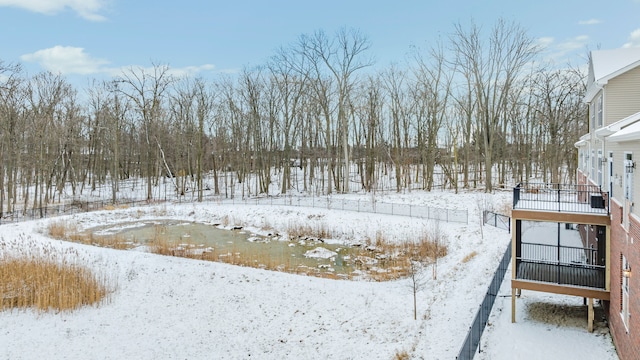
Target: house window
(600, 163)
(592, 116)
(624, 306)
(610, 174)
(599, 124)
(592, 172)
(629, 167)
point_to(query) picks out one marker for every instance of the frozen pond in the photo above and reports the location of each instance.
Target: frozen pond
(236, 246)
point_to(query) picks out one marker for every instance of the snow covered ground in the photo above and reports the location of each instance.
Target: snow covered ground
(175, 308)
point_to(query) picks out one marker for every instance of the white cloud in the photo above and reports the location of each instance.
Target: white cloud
(187, 71)
(634, 39)
(564, 51)
(545, 42)
(578, 42)
(88, 9)
(74, 60)
(589, 22)
(190, 70)
(66, 60)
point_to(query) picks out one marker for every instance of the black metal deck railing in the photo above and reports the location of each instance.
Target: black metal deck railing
(561, 197)
(558, 254)
(564, 265)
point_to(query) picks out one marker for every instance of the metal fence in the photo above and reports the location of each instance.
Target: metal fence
(417, 211)
(424, 212)
(67, 209)
(497, 220)
(471, 342)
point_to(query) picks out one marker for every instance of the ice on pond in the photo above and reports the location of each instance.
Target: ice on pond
(320, 253)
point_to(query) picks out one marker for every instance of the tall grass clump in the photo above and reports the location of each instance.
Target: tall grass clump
(319, 230)
(38, 276)
(68, 231)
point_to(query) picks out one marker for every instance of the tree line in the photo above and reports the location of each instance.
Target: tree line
(477, 109)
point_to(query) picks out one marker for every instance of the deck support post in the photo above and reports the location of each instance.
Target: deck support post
(591, 315)
(513, 304)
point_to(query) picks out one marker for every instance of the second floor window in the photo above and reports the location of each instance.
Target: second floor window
(600, 164)
(629, 166)
(599, 115)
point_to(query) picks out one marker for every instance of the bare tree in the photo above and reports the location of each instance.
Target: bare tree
(439, 239)
(431, 93)
(416, 281)
(204, 97)
(367, 111)
(559, 109)
(291, 87)
(492, 69)
(52, 113)
(11, 126)
(146, 89)
(400, 108)
(342, 57)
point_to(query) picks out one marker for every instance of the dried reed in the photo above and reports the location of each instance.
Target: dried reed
(68, 231)
(469, 256)
(44, 278)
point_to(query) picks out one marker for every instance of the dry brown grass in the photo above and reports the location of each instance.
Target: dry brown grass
(115, 207)
(384, 260)
(401, 355)
(47, 279)
(318, 230)
(469, 256)
(68, 231)
(60, 229)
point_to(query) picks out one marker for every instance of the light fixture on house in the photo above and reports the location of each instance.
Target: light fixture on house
(630, 165)
(626, 272)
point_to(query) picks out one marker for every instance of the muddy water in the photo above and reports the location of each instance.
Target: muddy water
(220, 244)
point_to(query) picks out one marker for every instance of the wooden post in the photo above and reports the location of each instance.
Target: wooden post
(513, 305)
(591, 315)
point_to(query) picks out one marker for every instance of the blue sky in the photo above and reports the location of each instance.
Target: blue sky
(98, 38)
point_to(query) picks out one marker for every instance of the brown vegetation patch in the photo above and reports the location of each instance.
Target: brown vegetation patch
(469, 256)
(47, 279)
(63, 230)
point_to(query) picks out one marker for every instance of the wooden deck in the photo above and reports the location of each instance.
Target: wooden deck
(575, 275)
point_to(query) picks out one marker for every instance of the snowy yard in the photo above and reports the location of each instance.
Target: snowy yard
(175, 308)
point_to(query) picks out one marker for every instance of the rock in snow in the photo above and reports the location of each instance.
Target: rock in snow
(320, 253)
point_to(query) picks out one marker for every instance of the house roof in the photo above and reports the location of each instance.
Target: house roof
(584, 140)
(630, 130)
(607, 64)
(617, 126)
